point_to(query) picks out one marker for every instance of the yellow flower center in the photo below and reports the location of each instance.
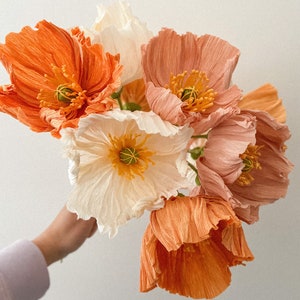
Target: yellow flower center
(251, 161)
(193, 90)
(66, 95)
(129, 155)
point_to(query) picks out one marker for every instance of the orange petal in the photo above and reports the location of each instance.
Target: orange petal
(188, 220)
(30, 116)
(39, 66)
(30, 54)
(190, 245)
(199, 272)
(149, 262)
(265, 98)
(135, 92)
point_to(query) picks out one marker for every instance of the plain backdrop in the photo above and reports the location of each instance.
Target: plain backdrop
(33, 174)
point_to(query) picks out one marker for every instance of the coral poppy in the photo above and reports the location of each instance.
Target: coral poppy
(56, 78)
(188, 77)
(121, 32)
(189, 246)
(122, 163)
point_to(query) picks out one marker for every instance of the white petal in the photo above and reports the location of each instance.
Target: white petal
(120, 32)
(100, 191)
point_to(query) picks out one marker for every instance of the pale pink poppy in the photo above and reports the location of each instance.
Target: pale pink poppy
(269, 181)
(224, 145)
(188, 77)
(264, 177)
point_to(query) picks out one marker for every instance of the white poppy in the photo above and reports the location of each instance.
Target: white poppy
(120, 32)
(122, 163)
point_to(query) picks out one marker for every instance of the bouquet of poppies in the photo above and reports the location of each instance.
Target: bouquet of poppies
(154, 122)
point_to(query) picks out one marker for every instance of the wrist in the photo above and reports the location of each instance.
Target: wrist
(49, 248)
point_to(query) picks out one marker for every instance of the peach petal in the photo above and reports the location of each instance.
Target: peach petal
(165, 104)
(207, 53)
(265, 98)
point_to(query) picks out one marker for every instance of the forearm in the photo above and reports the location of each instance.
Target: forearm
(23, 271)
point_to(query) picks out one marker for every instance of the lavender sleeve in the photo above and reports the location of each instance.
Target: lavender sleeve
(23, 272)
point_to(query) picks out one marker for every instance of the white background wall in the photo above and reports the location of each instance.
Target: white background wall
(33, 179)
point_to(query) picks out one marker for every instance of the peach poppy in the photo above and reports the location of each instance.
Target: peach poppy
(188, 77)
(56, 78)
(189, 246)
(265, 98)
(133, 96)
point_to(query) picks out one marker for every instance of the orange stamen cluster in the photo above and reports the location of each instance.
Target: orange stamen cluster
(129, 155)
(193, 90)
(66, 96)
(250, 159)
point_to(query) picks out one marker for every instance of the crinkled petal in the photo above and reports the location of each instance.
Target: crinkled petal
(165, 104)
(265, 98)
(10, 103)
(42, 61)
(225, 144)
(271, 181)
(121, 32)
(189, 246)
(95, 193)
(134, 92)
(175, 53)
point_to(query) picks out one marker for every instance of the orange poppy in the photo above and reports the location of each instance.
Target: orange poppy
(56, 77)
(189, 246)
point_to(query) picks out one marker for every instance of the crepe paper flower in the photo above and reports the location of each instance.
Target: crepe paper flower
(264, 178)
(132, 96)
(12, 104)
(56, 77)
(123, 163)
(224, 145)
(121, 32)
(189, 246)
(188, 77)
(270, 181)
(265, 98)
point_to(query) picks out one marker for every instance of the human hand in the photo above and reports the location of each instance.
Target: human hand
(64, 235)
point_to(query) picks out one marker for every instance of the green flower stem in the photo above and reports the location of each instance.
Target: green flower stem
(117, 96)
(200, 136)
(197, 180)
(120, 103)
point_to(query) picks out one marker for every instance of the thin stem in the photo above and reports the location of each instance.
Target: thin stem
(117, 96)
(200, 136)
(120, 103)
